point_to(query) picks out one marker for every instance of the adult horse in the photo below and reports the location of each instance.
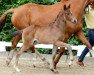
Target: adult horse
(35, 34)
(29, 14)
(77, 7)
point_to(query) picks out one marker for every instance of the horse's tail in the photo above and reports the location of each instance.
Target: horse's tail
(3, 18)
(18, 32)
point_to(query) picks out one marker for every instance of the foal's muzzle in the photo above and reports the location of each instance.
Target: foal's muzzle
(74, 21)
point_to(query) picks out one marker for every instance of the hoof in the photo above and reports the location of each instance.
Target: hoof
(34, 65)
(55, 71)
(17, 69)
(8, 62)
(70, 65)
(54, 66)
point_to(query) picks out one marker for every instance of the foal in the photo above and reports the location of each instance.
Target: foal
(40, 34)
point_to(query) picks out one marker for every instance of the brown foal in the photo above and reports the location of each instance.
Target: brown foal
(41, 34)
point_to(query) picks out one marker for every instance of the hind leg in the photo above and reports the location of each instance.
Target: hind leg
(14, 44)
(32, 48)
(41, 57)
(21, 50)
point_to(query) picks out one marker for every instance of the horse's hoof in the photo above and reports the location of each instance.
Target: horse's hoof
(69, 65)
(55, 71)
(34, 66)
(54, 66)
(7, 62)
(17, 69)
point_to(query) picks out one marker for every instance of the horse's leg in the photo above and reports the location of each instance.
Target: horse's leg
(70, 56)
(32, 49)
(14, 43)
(55, 48)
(61, 44)
(62, 49)
(83, 39)
(58, 56)
(41, 57)
(21, 50)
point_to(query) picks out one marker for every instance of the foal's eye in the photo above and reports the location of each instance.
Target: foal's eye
(70, 13)
(67, 13)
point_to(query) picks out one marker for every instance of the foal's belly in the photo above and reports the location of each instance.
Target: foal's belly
(48, 36)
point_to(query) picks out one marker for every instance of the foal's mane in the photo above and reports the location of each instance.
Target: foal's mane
(60, 14)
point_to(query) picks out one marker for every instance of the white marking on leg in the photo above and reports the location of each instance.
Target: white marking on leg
(21, 50)
(16, 68)
(70, 55)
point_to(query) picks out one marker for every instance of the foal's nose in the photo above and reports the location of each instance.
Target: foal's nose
(75, 21)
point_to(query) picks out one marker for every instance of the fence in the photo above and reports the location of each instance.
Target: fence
(79, 48)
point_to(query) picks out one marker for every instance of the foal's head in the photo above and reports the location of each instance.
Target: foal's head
(68, 14)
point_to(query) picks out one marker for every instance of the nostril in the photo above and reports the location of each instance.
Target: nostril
(75, 21)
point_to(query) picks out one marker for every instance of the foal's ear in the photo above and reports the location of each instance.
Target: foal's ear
(65, 7)
(69, 6)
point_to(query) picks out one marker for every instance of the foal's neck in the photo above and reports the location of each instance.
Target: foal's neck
(60, 19)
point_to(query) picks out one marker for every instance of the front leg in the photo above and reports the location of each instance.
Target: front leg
(62, 44)
(62, 49)
(84, 40)
(54, 51)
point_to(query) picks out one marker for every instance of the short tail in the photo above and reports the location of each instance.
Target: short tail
(3, 18)
(19, 32)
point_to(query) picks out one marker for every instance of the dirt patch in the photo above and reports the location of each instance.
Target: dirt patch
(26, 67)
